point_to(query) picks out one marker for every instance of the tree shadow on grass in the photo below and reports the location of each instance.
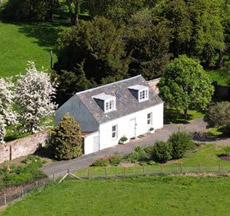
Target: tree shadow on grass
(45, 33)
(175, 116)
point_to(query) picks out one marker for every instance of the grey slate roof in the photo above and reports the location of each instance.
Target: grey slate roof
(126, 105)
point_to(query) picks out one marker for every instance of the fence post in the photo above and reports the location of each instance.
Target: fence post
(199, 167)
(143, 169)
(219, 168)
(124, 172)
(106, 173)
(53, 178)
(5, 198)
(181, 169)
(22, 190)
(161, 168)
(88, 174)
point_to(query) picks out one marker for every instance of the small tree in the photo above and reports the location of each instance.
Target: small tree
(66, 140)
(35, 99)
(186, 85)
(218, 115)
(7, 116)
(162, 152)
(181, 142)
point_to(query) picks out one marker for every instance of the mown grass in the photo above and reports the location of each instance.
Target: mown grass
(205, 159)
(162, 195)
(176, 116)
(23, 42)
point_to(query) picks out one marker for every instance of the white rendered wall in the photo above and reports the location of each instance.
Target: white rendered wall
(105, 130)
(89, 143)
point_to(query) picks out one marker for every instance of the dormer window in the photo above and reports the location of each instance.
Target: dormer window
(140, 92)
(106, 102)
(109, 105)
(143, 95)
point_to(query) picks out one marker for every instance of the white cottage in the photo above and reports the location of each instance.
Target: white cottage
(125, 108)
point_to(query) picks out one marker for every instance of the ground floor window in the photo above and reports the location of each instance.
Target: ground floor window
(149, 119)
(114, 131)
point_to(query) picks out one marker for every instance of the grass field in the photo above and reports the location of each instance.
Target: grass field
(215, 76)
(163, 195)
(21, 43)
(205, 159)
(176, 116)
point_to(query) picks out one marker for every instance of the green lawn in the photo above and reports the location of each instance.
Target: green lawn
(138, 196)
(205, 159)
(21, 43)
(176, 116)
(215, 76)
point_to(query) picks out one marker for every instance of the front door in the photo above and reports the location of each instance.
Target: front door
(132, 128)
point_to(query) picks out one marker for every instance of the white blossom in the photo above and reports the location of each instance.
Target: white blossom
(35, 97)
(7, 116)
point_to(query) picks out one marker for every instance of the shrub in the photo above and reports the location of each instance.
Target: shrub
(139, 154)
(181, 142)
(102, 162)
(149, 152)
(66, 141)
(227, 150)
(162, 152)
(123, 139)
(115, 159)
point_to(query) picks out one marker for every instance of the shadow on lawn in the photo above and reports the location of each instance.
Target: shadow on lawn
(46, 33)
(175, 116)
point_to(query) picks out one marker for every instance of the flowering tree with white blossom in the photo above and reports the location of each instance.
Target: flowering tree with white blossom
(7, 115)
(35, 94)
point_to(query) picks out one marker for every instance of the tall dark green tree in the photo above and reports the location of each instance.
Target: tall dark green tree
(92, 52)
(196, 28)
(117, 10)
(65, 139)
(147, 44)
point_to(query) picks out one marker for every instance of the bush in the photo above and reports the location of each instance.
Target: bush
(139, 154)
(115, 159)
(102, 162)
(181, 142)
(227, 150)
(123, 139)
(162, 152)
(66, 140)
(27, 10)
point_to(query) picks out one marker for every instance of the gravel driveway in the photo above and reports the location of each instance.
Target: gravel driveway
(60, 168)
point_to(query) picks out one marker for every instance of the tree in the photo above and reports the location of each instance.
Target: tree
(180, 142)
(7, 115)
(218, 115)
(35, 98)
(74, 7)
(147, 44)
(66, 140)
(162, 152)
(92, 52)
(27, 10)
(119, 11)
(185, 85)
(196, 28)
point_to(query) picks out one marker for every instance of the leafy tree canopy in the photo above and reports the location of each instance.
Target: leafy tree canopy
(186, 85)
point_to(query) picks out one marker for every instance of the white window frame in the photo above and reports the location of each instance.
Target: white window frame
(143, 95)
(149, 119)
(114, 132)
(109, 105)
